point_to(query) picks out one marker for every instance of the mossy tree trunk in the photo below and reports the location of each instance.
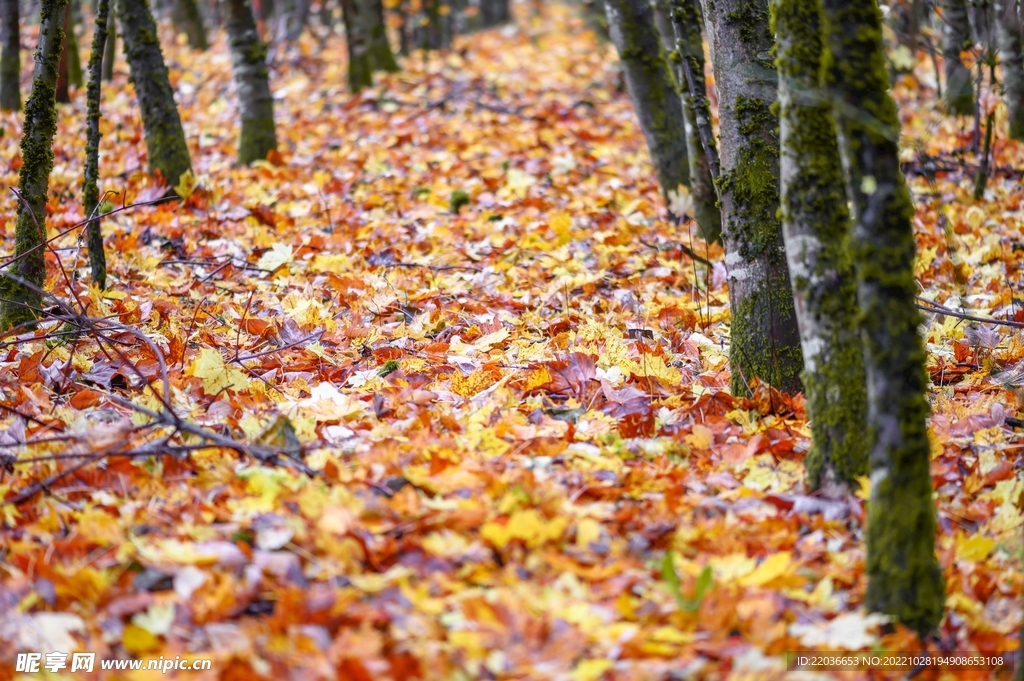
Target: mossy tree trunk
(904, 579)
(816, 230)
(165, 139)
(688, 45)
(10, 55)
(956, 38)
(357, 38)
(90, 189)
(765, 340)
(1008, 30)
(21, 289)
(652, 90)
(186, 16)
(110, 50)
(381, 56)
(64, 67)
(252, 82)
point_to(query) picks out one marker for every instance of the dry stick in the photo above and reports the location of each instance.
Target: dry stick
(936, 308)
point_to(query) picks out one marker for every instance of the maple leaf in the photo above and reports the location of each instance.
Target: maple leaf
(216, 376)
(849, 631)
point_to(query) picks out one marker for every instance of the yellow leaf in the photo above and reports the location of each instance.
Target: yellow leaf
(591, 670)
(701, 438)
(215, 374)
(528, 526)
(774, 566)
(588, 531)
(99, 527)
(975, 548)
(137, 640)
(187, 184)
(278, 255)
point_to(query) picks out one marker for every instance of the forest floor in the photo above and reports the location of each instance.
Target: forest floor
(513, 412)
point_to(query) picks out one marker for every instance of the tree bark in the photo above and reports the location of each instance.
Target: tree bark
(10, 56)
(21, 289)
(165, 139)
(357, 38)
(381, 56)
(186, 16)
(904, 579)
(816, 230)
(249, 63)
(956, 38)
(765, 341)
(689, 46)
(110, 50)
(64, 79)
(495, 12)
(652, 90)
(1008, 30)
(90, 189)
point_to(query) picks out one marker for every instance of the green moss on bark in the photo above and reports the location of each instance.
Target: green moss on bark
(252, 82)
(816, 227)
(21, 289)
(652, 89)
(90, 187)
(165, 139)
(904, 578)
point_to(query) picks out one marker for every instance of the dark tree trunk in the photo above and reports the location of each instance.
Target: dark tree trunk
(956, 38)
(357, 38)
(110, 50)
(64, 67)
(495, 12)
(1008, 28)
(90, 189)
(165, 139)
(688, 45)
(652, 90)
(186, 16)
(381, 56)
(904, 579)
(255, 103)
(21, 289)
(816, 228)
(10, 57)
(765, 340)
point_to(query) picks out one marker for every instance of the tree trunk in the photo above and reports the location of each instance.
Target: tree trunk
(689, 45)
(816, 230)
(10, 56)
(249, 63)
(186, 16)
(165, 139)
(1008, 29)
(357, 38)
(381, 56)
(110, 50)
(21, 289)
(904, 579)
(956, 38)
(765, 341)
(90, 189)
(495, 12)
(64, 67)
(652, 90)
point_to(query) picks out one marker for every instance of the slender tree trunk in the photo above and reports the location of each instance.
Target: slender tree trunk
(186, 16)
(110, 50)
(1008, 29)
(249, 63)
(357, 38)
(765, 340)
(10, 56)
(956, 38)
(21, 289)
(904, 579)
(816, 229)
(299, 21)
(165, 139)
(690, 47)
(652, 90)
(381, 56)
(90, 189)
(64, 67)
